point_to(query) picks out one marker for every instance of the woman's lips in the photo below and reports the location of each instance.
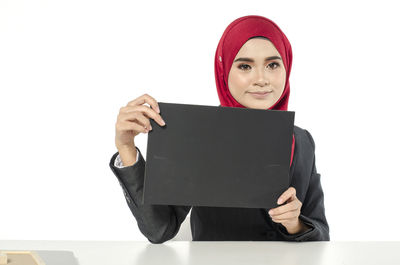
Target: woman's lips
(260, 94)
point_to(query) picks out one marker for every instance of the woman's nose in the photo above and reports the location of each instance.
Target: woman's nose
(262, 77)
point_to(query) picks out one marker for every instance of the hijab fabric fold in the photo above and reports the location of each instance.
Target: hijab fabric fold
(234, 37)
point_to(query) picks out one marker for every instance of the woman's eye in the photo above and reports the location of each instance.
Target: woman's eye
(276, 64)
(244, 66)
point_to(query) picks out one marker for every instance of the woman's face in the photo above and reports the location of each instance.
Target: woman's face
(257, 76)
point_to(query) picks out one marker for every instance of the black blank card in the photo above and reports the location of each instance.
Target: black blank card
(218, 156)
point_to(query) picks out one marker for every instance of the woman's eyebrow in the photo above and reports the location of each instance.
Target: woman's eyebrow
(245, 59)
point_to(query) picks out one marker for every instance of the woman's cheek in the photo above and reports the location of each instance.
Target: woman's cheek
(282, 77)
(238, 83)
(242, 82)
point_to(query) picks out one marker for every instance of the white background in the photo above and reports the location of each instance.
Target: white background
(66, 67)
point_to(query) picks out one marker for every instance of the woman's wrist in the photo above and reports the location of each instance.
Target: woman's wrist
(298, 227)
(127, 154)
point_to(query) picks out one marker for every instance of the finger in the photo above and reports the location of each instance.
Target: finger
(137, 117)
(126, 126)
(150, 113)
(287, 215)
(284, 221)
(146, 98)
(277, 221)
(286, 195)
(291, 206)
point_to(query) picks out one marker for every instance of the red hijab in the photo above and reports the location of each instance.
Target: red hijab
(235, 35)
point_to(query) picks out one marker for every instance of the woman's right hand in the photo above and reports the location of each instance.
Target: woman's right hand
(134, 118)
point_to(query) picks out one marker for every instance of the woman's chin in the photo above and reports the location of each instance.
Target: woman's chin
(258, 104)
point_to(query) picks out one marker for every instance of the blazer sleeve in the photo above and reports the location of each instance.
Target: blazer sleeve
(118, 162)
(158, 223)
(312, 210)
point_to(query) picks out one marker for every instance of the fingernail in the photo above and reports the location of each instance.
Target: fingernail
(158, 109)
(270, 212)
(151, 128)
(279, 201)
(162, 122)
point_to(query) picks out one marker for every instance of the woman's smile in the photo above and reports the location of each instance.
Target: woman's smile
(260, 94)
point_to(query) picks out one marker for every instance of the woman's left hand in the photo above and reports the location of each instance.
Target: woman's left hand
(288, 214)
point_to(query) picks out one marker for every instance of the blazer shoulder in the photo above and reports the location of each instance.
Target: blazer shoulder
(304, 136)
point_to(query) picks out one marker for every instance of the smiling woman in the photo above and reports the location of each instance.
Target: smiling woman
(257, 77)
(252, 66)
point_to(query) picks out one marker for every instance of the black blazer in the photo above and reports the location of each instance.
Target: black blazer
(160, 223)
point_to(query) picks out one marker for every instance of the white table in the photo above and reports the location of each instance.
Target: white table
(219, 252)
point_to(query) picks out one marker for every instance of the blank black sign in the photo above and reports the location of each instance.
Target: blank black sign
(218, 156)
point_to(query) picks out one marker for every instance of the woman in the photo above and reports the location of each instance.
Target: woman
(252, 68)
